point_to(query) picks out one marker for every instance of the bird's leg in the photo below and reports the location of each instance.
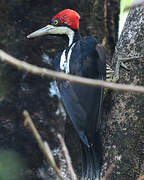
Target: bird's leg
(110, 74)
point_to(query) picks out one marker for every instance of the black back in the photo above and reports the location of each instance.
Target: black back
(82, 102)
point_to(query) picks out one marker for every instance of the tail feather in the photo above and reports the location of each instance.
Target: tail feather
(91, 162)
(84, 160)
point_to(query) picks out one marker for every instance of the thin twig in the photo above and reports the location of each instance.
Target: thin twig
(59, 75)
(67, 157)
(141, 178)
(43, 145)
(108, 172)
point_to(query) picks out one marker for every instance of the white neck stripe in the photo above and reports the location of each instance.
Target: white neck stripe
(67, 69)
(70, 36)
(64, 62)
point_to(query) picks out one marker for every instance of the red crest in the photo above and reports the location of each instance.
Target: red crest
(69, 17)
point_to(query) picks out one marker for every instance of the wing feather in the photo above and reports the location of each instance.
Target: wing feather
(83, 103)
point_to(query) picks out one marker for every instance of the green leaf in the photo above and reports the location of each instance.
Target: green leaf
(123, 14)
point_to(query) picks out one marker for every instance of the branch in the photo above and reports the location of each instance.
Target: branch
(67, 157)
(43, 145)
(59, 75)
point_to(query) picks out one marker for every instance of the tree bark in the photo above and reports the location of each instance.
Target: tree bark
(124, 117)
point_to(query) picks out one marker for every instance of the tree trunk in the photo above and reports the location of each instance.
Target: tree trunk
(124, 117)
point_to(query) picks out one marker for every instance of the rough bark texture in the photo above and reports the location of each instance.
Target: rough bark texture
(124, 132)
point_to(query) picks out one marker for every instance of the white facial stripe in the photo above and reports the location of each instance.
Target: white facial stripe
(63, 30)
(70, 36)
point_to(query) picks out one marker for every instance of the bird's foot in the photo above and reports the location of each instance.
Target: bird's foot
(110, 74)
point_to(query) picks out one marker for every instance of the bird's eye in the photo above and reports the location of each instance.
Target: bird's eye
(55, 22)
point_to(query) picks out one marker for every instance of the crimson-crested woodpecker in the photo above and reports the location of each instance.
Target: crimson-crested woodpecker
(82, 57)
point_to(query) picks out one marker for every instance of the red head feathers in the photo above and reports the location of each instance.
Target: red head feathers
(69, 17)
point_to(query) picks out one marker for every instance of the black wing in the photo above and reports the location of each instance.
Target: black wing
(83, 103)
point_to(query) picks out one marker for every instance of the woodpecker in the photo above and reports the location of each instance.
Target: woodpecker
(82, 57)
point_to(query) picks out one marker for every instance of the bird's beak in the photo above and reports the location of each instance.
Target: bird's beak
(46, 30)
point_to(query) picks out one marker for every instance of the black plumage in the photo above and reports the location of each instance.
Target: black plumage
(83, 103)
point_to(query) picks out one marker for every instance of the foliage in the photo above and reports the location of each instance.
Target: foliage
(11, 165)
(123, 14)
